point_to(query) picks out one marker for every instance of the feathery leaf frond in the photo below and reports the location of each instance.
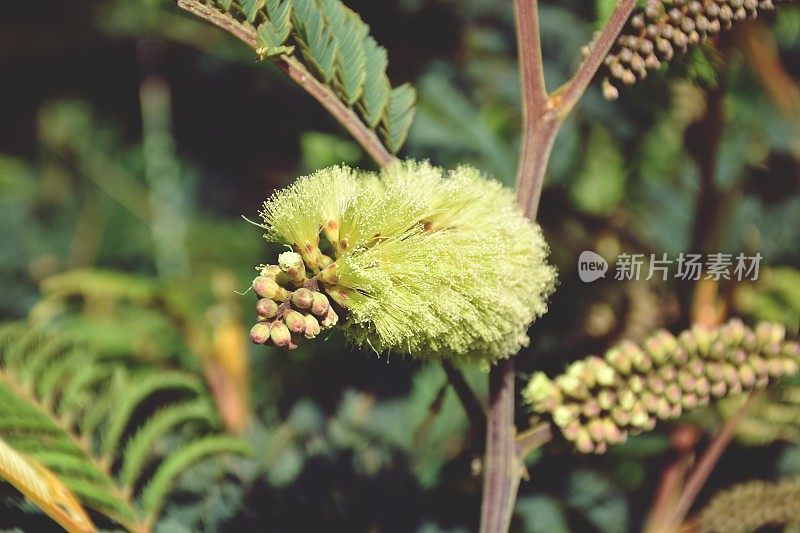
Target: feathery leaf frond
(71, 410)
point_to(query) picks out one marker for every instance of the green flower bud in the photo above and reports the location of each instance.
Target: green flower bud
(266, 308)
(737, 357)
(268, 288)
(747, 376)
(571, 430)
(704, 338)
(639, 416)
(791, 350)
(302, 298)
(775, 367)
(539, 389)
(612, 434)
(680, 357)
(294, 321)
(280, 334)
(790, 366)
(696, 367)
(312, 328)
(591, 408)
(596, 430)
(719, 389)
(636, 383)
(320, 304)
(673, 393)
(656, 383)
(294, 267)
(689, 401)
(572, 386)
(259, 334)
(565, 413)
(619, 360)
(688, 341)
(769, 333)
(606, 398)
(621, 416)
(663, 408)
(584, 442)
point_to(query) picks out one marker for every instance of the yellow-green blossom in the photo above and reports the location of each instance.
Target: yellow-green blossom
(433, 263)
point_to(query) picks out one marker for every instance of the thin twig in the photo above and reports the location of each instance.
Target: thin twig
(569, 94)
(533, 439)
(300, 75)
(476, 412)
(706, 465)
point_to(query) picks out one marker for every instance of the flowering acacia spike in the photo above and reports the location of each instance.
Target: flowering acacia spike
(432, 263)
(667, 376)
(753, 505)
(657, 32)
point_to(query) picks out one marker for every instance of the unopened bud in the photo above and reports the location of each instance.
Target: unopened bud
(295, 321)
(591, 408)
(619, 360)
(319, 304)
(302, 298)
(565, 413)
(312, 327)
(596, 430)
(584, 442)
(621, 416)
(539, 388)
(266, 308)
(747, 376)
(572, 386)
(268, 288)
(280, 334)
(259, 333)
(606, 398)
(769, 333)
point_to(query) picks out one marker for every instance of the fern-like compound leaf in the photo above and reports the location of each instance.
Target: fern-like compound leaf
(44, 489)
(376, 85)
(398, 117)
(69, 410)
(333, 42)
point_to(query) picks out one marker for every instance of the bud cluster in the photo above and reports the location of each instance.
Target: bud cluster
(665, 27)
(752, 506)
(599, 401)
(289, 306)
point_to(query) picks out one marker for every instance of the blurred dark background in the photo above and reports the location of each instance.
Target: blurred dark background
(133, 137)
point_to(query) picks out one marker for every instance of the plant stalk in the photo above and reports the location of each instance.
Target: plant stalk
(542, 118)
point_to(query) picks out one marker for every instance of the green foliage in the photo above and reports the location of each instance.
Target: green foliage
(336, 46)
(79, 414)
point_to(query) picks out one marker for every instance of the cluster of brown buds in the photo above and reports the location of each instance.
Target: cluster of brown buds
(290, 306)
(599, 401)
(665, 27)
(752, 506)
